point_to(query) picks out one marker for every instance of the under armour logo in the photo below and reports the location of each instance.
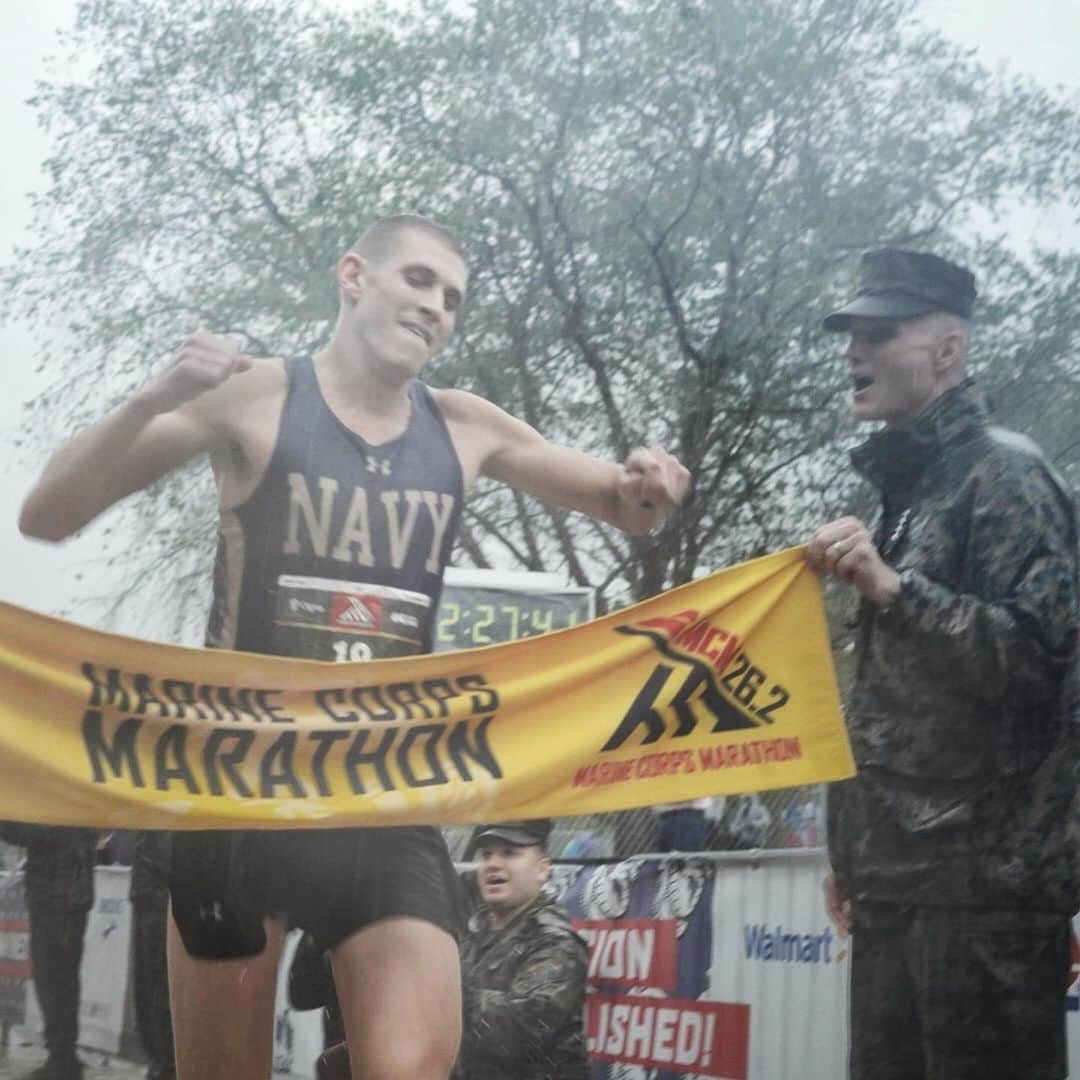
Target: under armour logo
(375, 465)
(211, 912)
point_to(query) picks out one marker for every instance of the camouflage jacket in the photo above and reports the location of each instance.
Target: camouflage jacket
(59, 868)
(962, 710)
(523, 989)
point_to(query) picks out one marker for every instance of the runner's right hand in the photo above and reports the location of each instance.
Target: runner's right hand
(204, 361)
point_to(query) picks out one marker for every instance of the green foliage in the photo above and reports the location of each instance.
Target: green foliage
(662, 197)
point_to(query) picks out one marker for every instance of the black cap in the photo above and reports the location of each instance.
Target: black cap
(517, 833)
(896, 284)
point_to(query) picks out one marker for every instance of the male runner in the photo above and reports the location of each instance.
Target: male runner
(341, 481)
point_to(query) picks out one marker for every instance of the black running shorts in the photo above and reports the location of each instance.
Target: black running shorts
(329, 882)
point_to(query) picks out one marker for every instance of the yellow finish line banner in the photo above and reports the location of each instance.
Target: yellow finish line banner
(724, 685)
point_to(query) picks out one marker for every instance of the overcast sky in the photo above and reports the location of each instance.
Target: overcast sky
(1037, 38)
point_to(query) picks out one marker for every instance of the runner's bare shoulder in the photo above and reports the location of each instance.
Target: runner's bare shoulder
(458, 405)
(470, 412)
(244, 412)
(476, 426)
(245, 402)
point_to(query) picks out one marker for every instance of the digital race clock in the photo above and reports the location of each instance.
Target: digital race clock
(486, 607)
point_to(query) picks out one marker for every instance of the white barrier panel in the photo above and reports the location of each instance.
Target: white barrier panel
(104, 970)
(298, 1036)
(775, 949)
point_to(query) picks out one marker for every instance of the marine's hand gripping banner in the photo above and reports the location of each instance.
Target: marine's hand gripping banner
(724, 685)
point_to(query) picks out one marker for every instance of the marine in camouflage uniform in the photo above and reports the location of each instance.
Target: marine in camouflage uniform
(523, 973)
(950, 845)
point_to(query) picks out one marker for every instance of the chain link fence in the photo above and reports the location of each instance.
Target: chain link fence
(787, 818)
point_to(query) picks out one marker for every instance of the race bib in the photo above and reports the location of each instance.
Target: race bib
(325, 619)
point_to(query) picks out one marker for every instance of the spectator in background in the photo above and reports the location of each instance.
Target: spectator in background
(149, 895)
(751, 822)
(683, 826)
(802, 819)
(584, 844)
(59, 884)
(116, 848)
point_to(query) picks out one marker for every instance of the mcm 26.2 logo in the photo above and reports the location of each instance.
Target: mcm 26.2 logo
(705, 676)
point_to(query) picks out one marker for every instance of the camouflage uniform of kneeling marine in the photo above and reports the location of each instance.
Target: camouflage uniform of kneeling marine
(523, 989)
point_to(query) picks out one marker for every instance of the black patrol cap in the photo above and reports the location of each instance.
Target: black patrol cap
(898, 284)
(517, 833)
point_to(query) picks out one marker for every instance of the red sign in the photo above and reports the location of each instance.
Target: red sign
(14, 948)
(631, 952)
(706, 1038)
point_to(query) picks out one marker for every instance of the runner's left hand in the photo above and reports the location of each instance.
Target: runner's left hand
(654, 480)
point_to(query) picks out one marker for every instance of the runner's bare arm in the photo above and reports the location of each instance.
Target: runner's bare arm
(177, 415)
(635, 496)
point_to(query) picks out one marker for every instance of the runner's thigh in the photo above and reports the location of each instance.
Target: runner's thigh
(399, 985)
(223, 1010)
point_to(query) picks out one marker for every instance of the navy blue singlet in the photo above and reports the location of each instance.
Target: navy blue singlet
(339, 553)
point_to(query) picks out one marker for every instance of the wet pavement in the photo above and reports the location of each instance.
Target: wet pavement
(24, 1053)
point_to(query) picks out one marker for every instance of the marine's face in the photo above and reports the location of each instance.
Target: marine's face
(510, 876)
(895, 368)
(408, 301)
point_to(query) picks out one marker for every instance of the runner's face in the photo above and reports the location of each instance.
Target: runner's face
(409, 301)
(893, 368)
(511, 877)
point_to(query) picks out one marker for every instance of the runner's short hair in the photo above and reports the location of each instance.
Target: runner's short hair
(378, 239)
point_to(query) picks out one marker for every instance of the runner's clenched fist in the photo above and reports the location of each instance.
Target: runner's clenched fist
(204, 361)
(653, 479)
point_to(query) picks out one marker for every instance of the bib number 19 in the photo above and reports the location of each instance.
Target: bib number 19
(344, 651)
